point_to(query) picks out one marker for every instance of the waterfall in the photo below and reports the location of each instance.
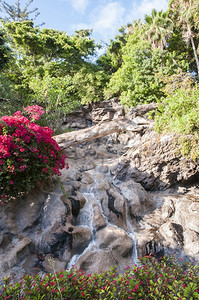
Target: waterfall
(86, 218)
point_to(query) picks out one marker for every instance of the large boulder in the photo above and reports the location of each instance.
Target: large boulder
(173, 223)
(155, 161)
(112, 247)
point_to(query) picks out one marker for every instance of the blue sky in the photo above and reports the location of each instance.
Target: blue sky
(105, 17)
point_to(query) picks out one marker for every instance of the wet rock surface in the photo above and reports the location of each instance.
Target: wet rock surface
(126, 194)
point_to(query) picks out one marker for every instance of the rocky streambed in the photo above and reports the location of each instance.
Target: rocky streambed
(126, 194)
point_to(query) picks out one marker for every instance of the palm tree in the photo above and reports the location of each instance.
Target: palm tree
(188, 19)
(158, 27)
(132, 27)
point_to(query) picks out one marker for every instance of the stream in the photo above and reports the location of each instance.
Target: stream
(96, 194)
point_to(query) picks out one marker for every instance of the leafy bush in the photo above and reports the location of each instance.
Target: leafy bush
(54, 93)
(28, 153)
(89, 82)
(151, 279)
(179, 112)
(67, 93)
(9, 107)
(140, 79)
(7, 88)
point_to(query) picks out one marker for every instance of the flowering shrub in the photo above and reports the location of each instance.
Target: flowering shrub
(28, 153)
(152, 280)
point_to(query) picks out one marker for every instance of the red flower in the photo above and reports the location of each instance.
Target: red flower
(23, 141)
(22, 168)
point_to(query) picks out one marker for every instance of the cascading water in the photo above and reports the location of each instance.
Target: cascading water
(132, 235)
(86, 217)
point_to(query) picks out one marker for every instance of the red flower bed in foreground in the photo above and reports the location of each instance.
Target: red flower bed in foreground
(151, 279)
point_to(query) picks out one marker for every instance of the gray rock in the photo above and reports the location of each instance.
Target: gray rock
(111, 197)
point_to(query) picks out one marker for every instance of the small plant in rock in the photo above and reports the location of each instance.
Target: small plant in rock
(28, 153)
(152, 279)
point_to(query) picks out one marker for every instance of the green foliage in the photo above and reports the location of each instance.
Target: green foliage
(158, 28)
(186, 16)
(140, 65)
(51, 67)
(139, 80)
(111, 61)
(5, 51)
(54, 93)
(65, 94)
(7, 88)
(179, 112)
(49, 45)
(152, 279)
(89, 83)
(189, 145)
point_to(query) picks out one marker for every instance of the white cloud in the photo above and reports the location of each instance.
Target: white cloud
(79, 5)
(108, 16)
(140, 8)
(148, 5)
(105, 20)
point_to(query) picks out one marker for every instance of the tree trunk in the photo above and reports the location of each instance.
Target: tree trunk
(194, 48)
(66, 140)
(73, 138)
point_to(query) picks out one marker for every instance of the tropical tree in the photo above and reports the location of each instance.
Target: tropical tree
(42, 46)
(14, 12)
(53, 68)
(187, 14)
(111, 61)
(131, 28)
(140, 79)
(158, 27)
(40, 50)
(134, 80)
(89, 83)
(5, 51)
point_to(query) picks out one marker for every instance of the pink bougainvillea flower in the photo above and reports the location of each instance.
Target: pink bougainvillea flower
(45, 170)
(23, 167)
(27, 146)
(34, 111)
